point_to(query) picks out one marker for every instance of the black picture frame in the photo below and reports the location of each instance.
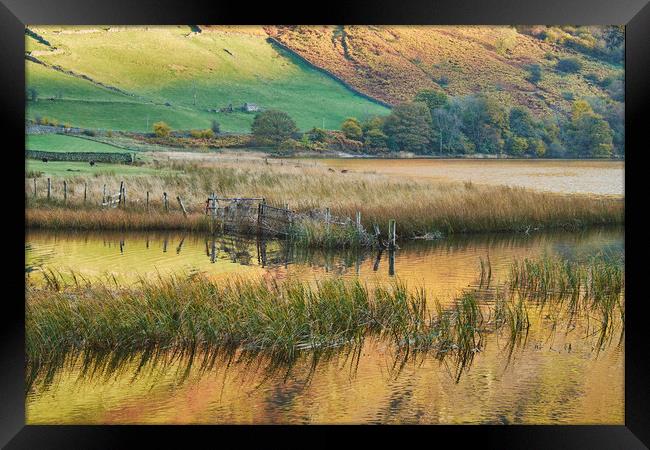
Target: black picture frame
(635, 14)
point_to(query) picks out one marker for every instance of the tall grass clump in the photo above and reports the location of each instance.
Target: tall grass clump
(278, 320)
(313, 233)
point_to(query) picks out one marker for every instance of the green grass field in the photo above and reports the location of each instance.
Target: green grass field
(63, 143)
(191, 73)
(80, 168)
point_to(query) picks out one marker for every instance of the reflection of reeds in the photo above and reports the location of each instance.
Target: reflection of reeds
(278, 319)
(569, 290)
(68, 316)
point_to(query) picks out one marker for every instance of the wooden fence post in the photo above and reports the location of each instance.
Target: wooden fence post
(65, 191)
(85, 191)
(327, 218)
(358, 221)
(391, 233)
(165, 203)
(104, 195)
(121, 197)
(260, 212)
(180, 202)
(34, 187)
(49, 189)
(147, 200)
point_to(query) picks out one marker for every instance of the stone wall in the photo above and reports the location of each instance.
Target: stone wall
(49, 129)
(120, 158)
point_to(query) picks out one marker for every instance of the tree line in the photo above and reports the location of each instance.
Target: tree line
(435, 124)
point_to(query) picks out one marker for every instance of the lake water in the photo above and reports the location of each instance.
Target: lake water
(563, 176)
(555, 377)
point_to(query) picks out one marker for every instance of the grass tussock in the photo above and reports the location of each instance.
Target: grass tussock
(419, 207)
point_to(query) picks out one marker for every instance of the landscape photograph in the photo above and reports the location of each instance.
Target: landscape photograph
(336, 224)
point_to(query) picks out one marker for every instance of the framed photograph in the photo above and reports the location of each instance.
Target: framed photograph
(414, 214)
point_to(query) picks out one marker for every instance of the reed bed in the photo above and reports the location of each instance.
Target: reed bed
(419, 207)
(279, 320)
(568, 290)
(70, 315)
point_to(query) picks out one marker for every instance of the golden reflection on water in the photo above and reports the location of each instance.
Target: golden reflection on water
(546, 381)
(443, 267)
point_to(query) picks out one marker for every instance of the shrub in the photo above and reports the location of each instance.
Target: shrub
(534, 73)
(568, 65)
(161, 129)
(352, 129)
(202, 134)
(317, 135)
(568, 96)
(506, 43)
(593, 77)
(375, 138)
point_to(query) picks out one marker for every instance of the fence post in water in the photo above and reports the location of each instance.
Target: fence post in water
(391, 233)
(212, 206)
(180, 202)
(165, 203)
(49, 189)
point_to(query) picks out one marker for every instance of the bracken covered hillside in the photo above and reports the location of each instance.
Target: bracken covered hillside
(392, 63)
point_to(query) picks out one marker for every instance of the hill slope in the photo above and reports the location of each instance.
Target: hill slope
(129, 77)
(392, 63)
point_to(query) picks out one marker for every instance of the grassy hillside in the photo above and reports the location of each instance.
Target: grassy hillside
(392, 63)
(63, 143)
(174, 75)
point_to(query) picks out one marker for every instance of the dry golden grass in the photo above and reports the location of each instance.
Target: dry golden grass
(418, 206)
(392, 63)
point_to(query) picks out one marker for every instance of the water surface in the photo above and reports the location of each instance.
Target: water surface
(561, 176)
(555, 377)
